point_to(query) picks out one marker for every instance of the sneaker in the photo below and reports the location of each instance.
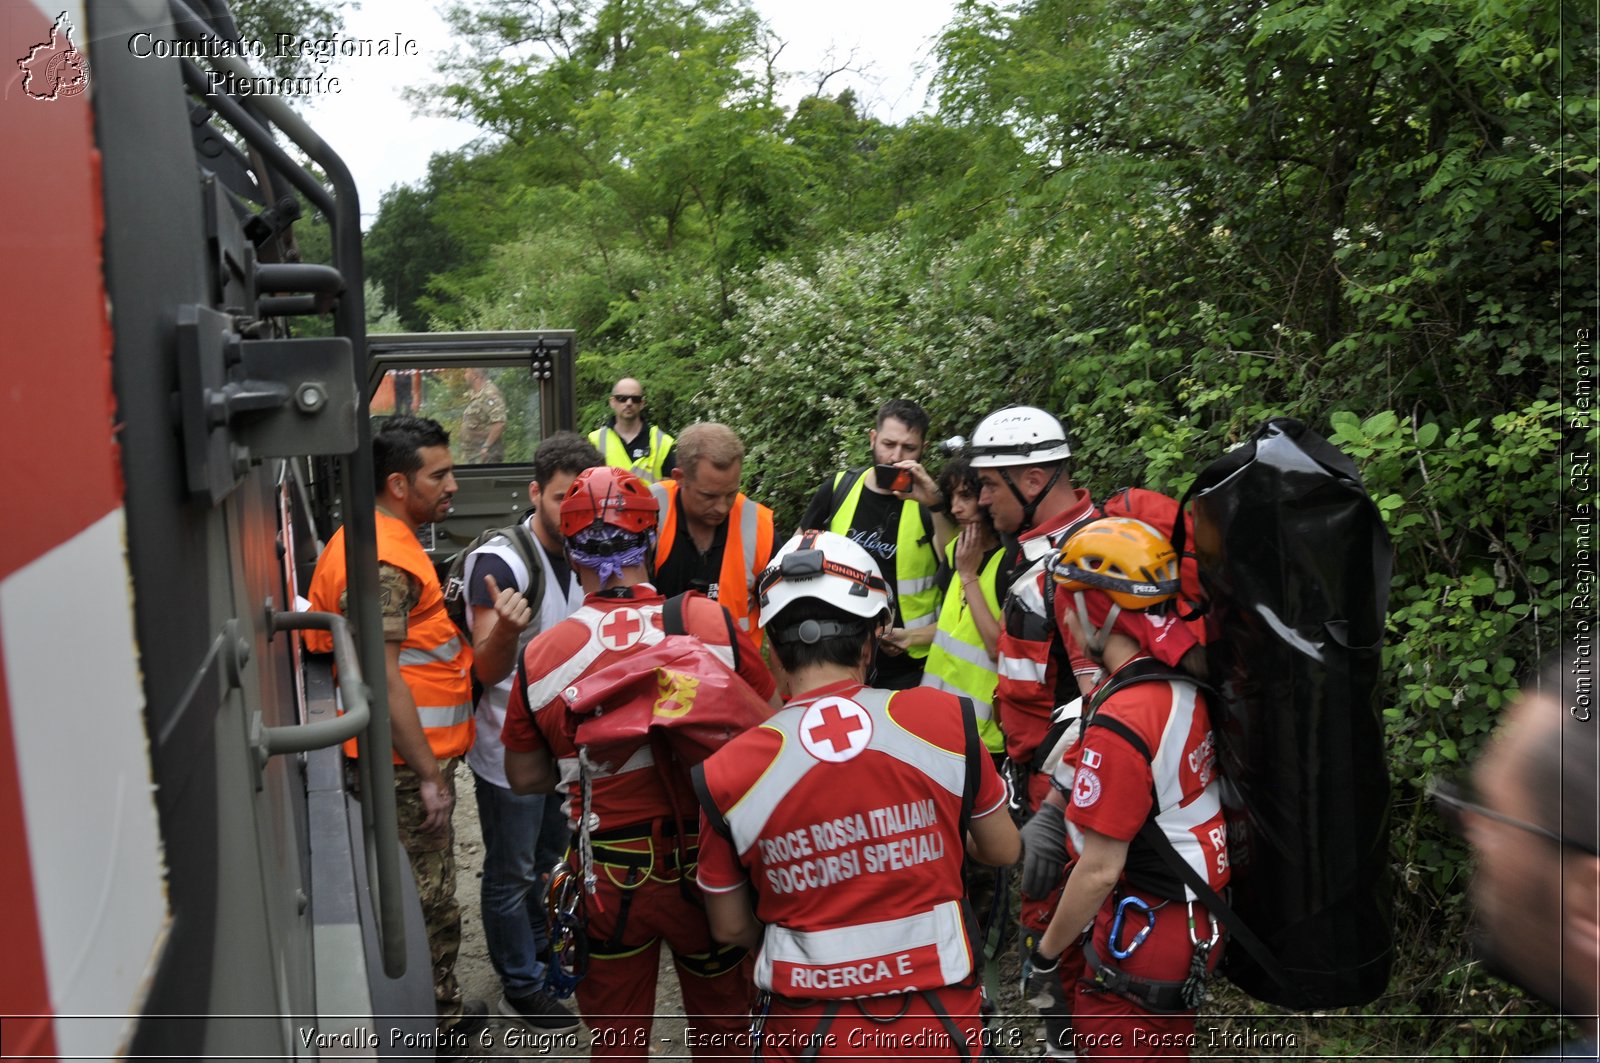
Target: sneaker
(539, 1009)
(457, 1044)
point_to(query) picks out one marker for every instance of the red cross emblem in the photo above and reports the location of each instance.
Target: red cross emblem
(835, 729)
(621, 629)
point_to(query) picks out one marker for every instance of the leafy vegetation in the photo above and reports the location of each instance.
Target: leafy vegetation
(1164, 220)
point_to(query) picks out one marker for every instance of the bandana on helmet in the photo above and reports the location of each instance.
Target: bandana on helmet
(607, 550)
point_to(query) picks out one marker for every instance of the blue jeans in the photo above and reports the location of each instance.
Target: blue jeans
(523, 837)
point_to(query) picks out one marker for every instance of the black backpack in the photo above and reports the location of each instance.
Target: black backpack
(1294, 562)
(1294, 565)
(455, 584)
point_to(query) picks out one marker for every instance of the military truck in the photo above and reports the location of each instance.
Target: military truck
(188, 875)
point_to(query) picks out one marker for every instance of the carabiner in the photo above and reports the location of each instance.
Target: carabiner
(1194, 939)
(1116, 926)
(758, 1019)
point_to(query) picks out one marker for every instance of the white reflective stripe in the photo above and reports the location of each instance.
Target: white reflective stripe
(1166, 758)
(921, 621)
(963, 651)
(748, 818)
(940, 927)
(1028, 591)
(1176, 820)
(434, 717)
(1021, 669)
(748, 520)
(440, 654)
(906, 587)
(549, 687)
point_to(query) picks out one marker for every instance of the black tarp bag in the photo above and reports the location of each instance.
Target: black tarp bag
(1295, 565)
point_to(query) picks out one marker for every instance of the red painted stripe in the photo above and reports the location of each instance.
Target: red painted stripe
(24, 989)
(56, 424)
(56, 404)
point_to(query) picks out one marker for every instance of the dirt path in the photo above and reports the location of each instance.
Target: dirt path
(476, 975)
(1016, 1027)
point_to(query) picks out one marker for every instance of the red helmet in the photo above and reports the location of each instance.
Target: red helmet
(604, 495)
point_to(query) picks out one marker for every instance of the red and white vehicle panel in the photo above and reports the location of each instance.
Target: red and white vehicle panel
(82, 883)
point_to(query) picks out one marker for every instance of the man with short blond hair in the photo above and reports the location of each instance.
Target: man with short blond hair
(713, 539)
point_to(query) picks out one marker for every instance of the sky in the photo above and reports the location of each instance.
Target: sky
(385, 141)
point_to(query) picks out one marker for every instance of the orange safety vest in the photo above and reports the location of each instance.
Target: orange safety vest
(435, 662)
(745, 553)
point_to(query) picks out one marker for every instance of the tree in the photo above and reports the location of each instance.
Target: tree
(637, 126)
(263, 20)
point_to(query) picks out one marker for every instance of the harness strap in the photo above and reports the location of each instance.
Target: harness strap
(819, 1035)
(641, 831)
(615, 943)
(973, 749)
(1162, 997)
(1154, 837)
(958, 1040)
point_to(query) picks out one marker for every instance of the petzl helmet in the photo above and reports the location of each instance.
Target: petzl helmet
(1017, 435)
(1126, 558)
(604, 495)
(825, 567)
(1129, 561)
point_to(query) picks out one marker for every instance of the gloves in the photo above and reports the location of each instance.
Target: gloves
(1044, 852)
(1041, 982)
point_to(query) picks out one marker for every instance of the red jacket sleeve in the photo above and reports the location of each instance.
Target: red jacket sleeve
(1024, 693)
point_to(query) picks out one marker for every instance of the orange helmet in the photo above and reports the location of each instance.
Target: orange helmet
(604, 495)
(1130, 561)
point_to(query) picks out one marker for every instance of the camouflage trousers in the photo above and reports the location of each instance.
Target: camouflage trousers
(433, 863)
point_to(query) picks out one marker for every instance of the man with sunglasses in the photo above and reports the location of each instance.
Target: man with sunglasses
(1531, 818)
(630, 442)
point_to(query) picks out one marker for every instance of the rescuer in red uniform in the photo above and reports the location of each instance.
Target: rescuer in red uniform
(642, 852)
(837, 831)
(1146, 755)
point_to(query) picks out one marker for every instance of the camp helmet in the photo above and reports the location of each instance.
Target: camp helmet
(1128, 559)
(1017, 435)
(606, 495)
(829, 568)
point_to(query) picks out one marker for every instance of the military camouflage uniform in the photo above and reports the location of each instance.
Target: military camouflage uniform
(487, 409)
(432, 855)
(433, 864)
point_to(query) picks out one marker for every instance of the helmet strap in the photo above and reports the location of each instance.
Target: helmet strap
(1095, 637)
(1029, 508)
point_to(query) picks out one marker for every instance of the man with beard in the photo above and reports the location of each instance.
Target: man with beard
(428, 671)
(889, 509)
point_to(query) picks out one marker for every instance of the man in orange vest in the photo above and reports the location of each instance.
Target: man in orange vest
(429, 674)
(712, 538)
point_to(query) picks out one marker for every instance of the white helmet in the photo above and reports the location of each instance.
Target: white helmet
(826, 567)
(1017, 435)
